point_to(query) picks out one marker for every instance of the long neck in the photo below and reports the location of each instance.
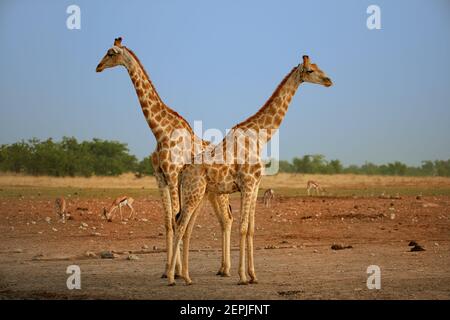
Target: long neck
(161, 119)
(271, 114)
(262, 125)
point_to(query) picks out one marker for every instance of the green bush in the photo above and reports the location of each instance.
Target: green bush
(67, 158)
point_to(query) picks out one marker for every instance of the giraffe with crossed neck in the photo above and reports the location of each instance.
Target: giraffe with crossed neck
(164, 124)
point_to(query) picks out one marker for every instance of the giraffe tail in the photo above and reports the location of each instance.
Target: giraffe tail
(178, 215)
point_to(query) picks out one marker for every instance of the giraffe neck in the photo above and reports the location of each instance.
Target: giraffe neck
(161, 119)
(271, 114)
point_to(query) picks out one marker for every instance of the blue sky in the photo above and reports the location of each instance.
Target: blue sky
(219, 61)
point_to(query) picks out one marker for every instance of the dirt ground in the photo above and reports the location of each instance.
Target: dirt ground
(293, 255)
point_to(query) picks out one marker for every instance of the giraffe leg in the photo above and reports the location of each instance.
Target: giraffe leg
(186, 243)
(193, 191)
(222, 209)
(250, 234)
(165, 196)
(175, 207)
(246, 198)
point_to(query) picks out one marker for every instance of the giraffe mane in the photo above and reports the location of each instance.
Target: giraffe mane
(176, 114)
(143, 69)
(269, 101)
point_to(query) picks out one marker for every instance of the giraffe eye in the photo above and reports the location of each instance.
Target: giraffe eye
(310, 71)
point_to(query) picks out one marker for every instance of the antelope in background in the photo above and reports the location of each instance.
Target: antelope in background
(314, 185)
(60, 208)
(269, 194)
(118, 203)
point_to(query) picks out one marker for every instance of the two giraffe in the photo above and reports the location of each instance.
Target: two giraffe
(165, 125)
(189, 182)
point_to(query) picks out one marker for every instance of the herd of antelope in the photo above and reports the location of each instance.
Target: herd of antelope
(126, 201)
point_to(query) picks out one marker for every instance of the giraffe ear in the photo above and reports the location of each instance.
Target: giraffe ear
(118, 41)
(305, 61)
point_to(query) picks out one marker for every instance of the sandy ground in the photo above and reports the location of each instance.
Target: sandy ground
(293, 255)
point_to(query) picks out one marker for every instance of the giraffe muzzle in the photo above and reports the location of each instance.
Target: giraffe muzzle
(328, 82)
(99, 68)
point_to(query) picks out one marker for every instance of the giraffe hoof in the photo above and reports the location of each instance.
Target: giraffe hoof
(177, 276)
(163, 276)
(189, 283)
(242, 283)
(171, 284)
(225, 274)
(253, 281)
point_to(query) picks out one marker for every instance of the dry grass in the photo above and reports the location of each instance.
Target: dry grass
(285, 180)
(282, 180)
(125, 181)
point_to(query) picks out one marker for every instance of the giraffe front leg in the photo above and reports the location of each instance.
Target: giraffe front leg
(165, 196)
(250, 234)
(175, 203)
(245, 210)
(179, 234)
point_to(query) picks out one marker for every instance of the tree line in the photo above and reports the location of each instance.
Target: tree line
(319, 164)
(69, 157)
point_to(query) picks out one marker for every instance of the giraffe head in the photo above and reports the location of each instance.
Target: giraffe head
(115, 56)
(311, 73)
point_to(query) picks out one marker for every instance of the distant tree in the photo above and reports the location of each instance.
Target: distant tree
(144, 168)
(442, 167)
(286, 166)
(428, 168)
(67, 158)
(335, 166)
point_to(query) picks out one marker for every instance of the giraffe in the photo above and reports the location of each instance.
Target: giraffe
(165, 123)
(226, 178)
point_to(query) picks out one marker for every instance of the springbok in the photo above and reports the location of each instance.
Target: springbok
(269, 194)
(60, 208)
(119, 203)
(314, 185)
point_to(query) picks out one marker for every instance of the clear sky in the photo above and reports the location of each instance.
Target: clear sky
(219, 61)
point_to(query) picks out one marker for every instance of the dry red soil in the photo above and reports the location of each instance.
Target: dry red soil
(293, 255)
